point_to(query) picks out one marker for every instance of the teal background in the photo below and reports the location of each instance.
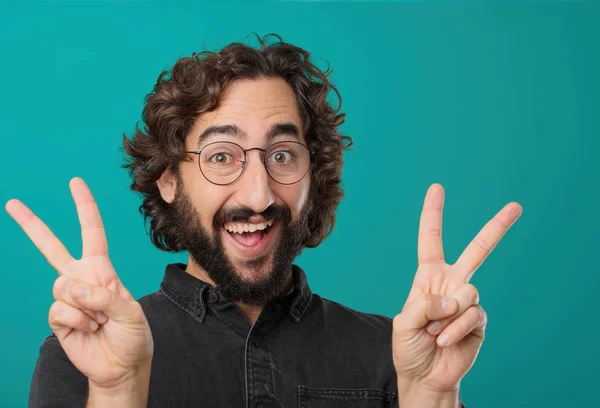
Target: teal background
(496, 101)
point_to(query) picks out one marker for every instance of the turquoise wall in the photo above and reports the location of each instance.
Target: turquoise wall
(496, 101)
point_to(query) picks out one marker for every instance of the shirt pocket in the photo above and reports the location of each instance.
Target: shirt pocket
(347, 398)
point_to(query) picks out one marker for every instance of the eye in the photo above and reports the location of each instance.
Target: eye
(220, 158)
(281, 157)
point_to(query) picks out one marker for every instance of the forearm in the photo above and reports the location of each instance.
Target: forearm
(132, 393)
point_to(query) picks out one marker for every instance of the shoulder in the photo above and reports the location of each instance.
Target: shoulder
(154, 300)
(52, 351)
(164, 312)
(160, 307)
(353, 314)
(339, 315)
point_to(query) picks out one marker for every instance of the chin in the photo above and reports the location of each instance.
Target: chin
(254, 271)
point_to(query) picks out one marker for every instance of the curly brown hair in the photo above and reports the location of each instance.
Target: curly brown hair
(193, 86)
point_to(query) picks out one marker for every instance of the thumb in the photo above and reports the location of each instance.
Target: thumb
(424, 308)
(101, 299)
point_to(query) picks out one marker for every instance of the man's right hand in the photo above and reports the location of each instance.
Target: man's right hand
(100, 326)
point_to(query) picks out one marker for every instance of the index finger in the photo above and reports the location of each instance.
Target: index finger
(42, 237)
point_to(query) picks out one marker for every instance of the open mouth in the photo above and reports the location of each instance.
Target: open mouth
(246, 233)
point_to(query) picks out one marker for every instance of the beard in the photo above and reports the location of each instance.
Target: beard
(271, 273)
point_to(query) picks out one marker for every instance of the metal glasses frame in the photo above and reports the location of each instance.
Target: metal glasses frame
(245, 161)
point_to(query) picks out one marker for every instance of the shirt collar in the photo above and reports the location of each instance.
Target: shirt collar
(192, 294)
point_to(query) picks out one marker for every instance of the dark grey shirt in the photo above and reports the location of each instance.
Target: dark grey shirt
(303, 351)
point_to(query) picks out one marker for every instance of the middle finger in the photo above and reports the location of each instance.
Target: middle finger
(486, 240)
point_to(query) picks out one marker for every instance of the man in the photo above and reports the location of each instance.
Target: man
(239, 164)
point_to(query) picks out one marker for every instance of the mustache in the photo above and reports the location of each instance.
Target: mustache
(242, 214)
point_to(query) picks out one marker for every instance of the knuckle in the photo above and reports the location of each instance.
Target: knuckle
(105, 296)
(58, 288)
(56, 309)
(473, 293)
(500, 222)
(426, 302)
(481, 243)
(483, 317)
(431, 232)
(472, 311)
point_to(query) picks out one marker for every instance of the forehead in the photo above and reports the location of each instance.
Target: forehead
(253, 106)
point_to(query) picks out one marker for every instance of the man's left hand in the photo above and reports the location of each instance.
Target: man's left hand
(438, 334)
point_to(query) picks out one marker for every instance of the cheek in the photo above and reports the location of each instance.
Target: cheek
(296, 196)
(206, 198)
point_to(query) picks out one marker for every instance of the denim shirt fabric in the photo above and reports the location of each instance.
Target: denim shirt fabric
(303, 351)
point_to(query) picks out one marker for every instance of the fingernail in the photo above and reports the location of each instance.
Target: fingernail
(433, 328)
(101, 317)
(81, 291)
(443, 340)
(93, 325)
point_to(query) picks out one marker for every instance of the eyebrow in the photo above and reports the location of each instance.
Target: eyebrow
(278, 129)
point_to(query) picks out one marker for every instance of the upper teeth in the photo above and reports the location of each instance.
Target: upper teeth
(241, 227)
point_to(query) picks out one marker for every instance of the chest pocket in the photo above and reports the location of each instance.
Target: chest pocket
(346, 398)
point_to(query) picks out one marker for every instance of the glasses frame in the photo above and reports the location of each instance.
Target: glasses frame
(245, 161)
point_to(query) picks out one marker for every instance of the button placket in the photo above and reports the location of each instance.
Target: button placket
(258, 363)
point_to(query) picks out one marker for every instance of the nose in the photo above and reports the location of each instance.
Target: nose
(255, 184)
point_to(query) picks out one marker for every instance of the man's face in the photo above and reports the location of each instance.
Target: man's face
(252, 266)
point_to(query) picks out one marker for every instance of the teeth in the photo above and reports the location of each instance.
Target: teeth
(240, 228)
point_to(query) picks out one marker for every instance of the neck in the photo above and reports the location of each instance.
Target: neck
(250, 311)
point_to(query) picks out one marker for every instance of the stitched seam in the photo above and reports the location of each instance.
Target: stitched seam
(331, 393)
(182, 307)
(304, 300)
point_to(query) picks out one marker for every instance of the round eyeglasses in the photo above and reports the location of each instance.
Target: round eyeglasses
(223, 163)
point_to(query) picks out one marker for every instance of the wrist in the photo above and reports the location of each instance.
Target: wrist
(419, 396)
(131, 392)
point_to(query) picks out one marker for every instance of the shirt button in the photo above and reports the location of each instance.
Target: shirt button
(213, 297)
(296, 312)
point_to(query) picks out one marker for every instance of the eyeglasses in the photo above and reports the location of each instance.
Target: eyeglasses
(222, 163)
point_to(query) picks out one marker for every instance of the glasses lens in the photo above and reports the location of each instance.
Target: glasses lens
(221, 162)
(287, 162)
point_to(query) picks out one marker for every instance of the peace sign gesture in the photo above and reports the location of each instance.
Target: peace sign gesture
(439, 332)
(100, 326)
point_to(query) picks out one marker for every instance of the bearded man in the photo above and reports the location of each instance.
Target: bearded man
(239, 163)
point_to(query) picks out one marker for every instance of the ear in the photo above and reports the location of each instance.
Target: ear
(167, 185)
